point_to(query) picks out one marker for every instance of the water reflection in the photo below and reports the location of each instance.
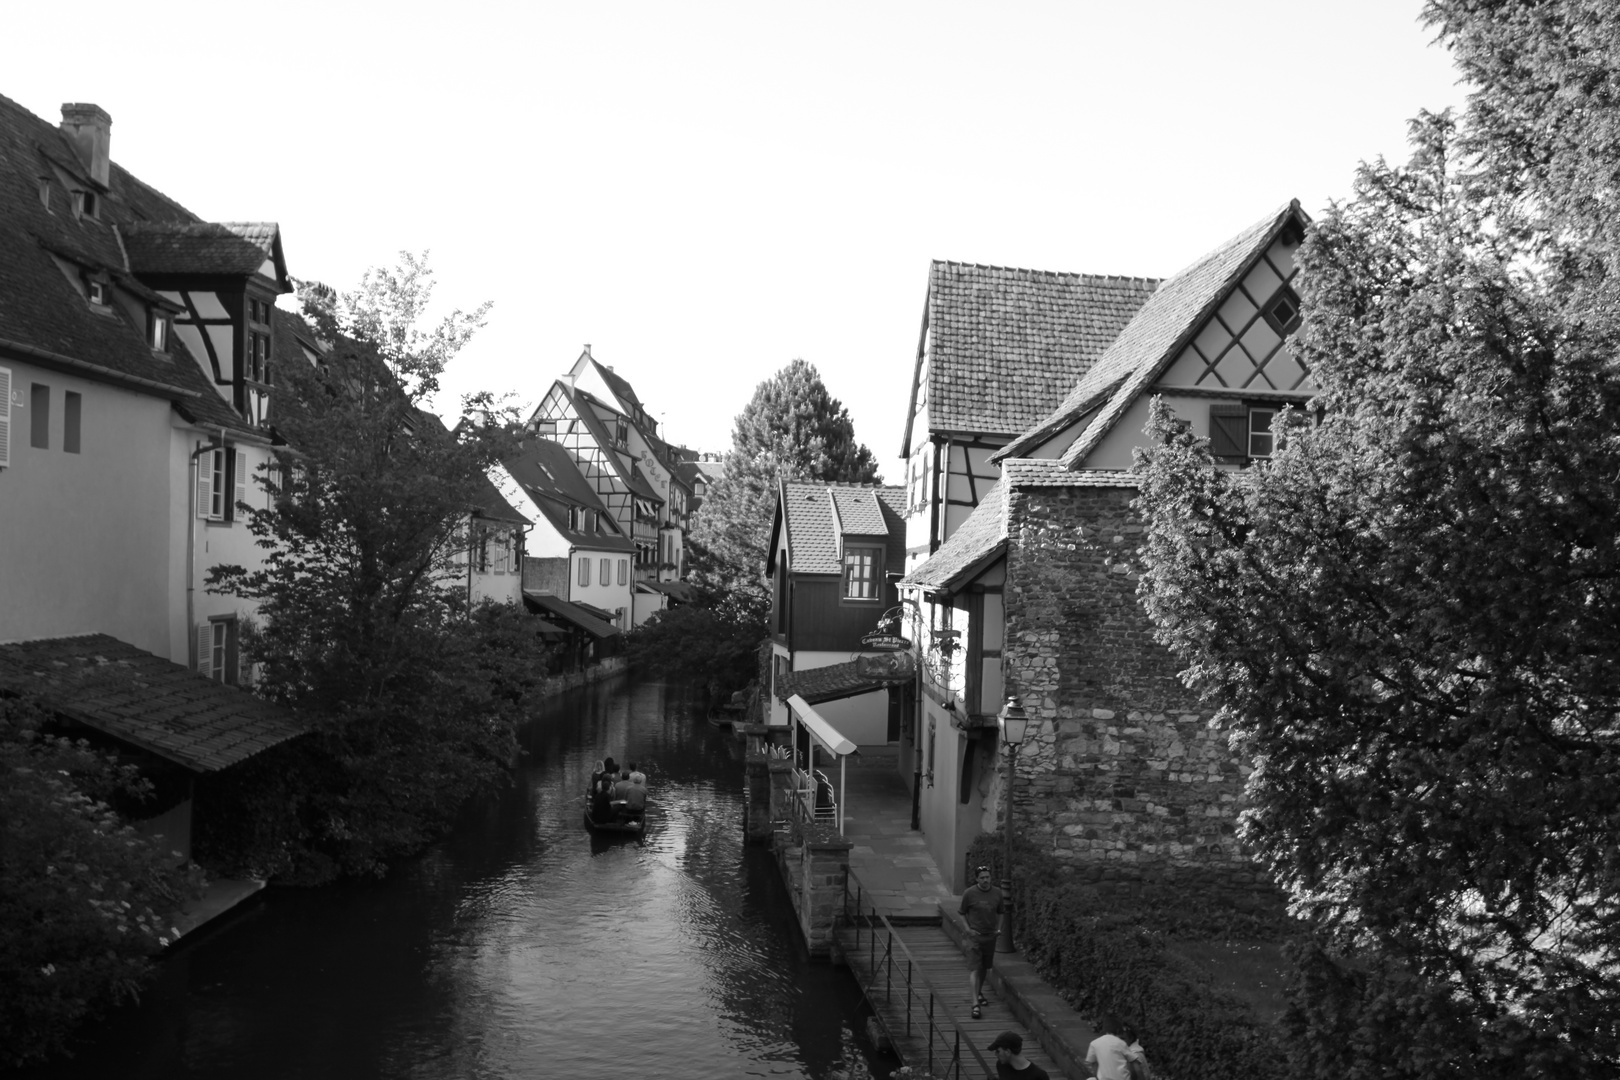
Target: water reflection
(520, 947)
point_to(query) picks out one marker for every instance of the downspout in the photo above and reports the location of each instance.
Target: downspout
(937, 498)
(191, 549)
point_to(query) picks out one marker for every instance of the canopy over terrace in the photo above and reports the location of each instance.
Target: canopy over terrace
(827, 737)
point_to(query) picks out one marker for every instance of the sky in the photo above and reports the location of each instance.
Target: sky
(705, 191)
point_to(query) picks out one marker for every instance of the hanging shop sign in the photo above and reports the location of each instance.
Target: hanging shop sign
(885, 642)
(887, 667)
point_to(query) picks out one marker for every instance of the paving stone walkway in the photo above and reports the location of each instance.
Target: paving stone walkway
(902, 880)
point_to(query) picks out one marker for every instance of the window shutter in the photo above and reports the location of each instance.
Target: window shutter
(1229, 431)
(5, 418)
(241, 463)
(205, 649)
(233, 656)
(205, 484)
(624, 571)
(607, 572)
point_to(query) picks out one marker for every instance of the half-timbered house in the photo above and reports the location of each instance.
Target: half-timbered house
(1035, 592)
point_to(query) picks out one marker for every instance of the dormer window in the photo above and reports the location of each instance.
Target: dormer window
(863, 568)
(45, 192)
(158, 331)
(96, 291)
(84, 204)
(621, 433)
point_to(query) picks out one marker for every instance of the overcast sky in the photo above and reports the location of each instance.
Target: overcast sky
(704, 191)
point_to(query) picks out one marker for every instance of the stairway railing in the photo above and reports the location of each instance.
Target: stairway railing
(891, 964)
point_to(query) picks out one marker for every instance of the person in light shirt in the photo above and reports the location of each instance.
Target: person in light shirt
(1109, 1056)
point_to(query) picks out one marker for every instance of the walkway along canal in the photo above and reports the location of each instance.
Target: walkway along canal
(521, 946)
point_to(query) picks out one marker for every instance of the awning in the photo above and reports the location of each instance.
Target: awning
(831, 683)
(591, 609)
(146, 701)
(826, 736)
(569, 613)
(675, 590)
(545, 627)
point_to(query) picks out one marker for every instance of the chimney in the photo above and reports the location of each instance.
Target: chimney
(90, 128)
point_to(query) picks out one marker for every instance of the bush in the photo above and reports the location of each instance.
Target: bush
(1105, 951)
(85, 900)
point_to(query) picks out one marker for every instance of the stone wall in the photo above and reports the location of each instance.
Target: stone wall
(1121, 776)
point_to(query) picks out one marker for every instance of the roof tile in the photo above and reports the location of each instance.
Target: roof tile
(1007, 342)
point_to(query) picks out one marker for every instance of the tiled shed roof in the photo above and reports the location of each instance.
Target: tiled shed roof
(813, 530)
(978, 539)
(146, 701)
(832, 683)
(1007, 343)
(1045, 472)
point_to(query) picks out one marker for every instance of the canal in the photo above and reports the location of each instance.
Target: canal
(520, 946)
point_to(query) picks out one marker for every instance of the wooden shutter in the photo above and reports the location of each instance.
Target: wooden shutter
(239, 460)
(205, 649)
(607, 572)
(1229, 432)
(233, 656)
(5, 418)
(205, 484)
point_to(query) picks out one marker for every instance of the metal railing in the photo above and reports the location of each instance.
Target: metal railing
(898, 980)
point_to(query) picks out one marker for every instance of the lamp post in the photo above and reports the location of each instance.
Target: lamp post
(1014, 727)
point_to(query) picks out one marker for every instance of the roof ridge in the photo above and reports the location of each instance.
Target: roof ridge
(1131, 278)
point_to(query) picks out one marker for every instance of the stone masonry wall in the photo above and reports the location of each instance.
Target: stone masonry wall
(1121, 776)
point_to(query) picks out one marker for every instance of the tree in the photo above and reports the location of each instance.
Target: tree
(362, 623)
(85, 900)
(1408, 618)
(792, 429)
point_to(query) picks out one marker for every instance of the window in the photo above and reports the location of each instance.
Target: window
(1282, 311)
(39, 418)
(222, 475)
(5, 418)
(96, 291)
(1261, 440)
(481, 551)
(624, 571)
(584, 571)
(861, 569)
(621, 433)
(72, 410)
(1240, 433)
(218, 651)
(606, 572)
(573, 517)
(158, 331)
(45, 192)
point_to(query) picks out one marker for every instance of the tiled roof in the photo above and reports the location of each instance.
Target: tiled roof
(44, 315)
(42, 309)
(858, 512)
(979, 538)
(813, 531)
(236, 249)
(146, 701)
(1152, 338)
(617, 383)
(1007, 342)
(831, 683)
(550, 476)
(1046, 472)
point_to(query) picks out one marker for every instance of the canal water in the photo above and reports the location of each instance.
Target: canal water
(521, 946)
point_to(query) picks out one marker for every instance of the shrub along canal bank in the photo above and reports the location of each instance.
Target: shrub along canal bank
(520, 945)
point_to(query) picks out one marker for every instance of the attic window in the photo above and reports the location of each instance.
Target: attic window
(1283, 311)
(158, 331)
(84, 204)
(45, 192)
(96, 290)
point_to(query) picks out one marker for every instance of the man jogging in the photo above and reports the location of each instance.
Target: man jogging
(981, 908)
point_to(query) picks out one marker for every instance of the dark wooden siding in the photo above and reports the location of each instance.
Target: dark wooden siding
(821, 621)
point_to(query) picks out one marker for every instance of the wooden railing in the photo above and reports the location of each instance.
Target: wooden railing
(897, 979)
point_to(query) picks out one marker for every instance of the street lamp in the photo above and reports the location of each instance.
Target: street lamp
(1014, 727)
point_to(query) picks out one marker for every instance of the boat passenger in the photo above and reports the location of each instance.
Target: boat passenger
(601, 792)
